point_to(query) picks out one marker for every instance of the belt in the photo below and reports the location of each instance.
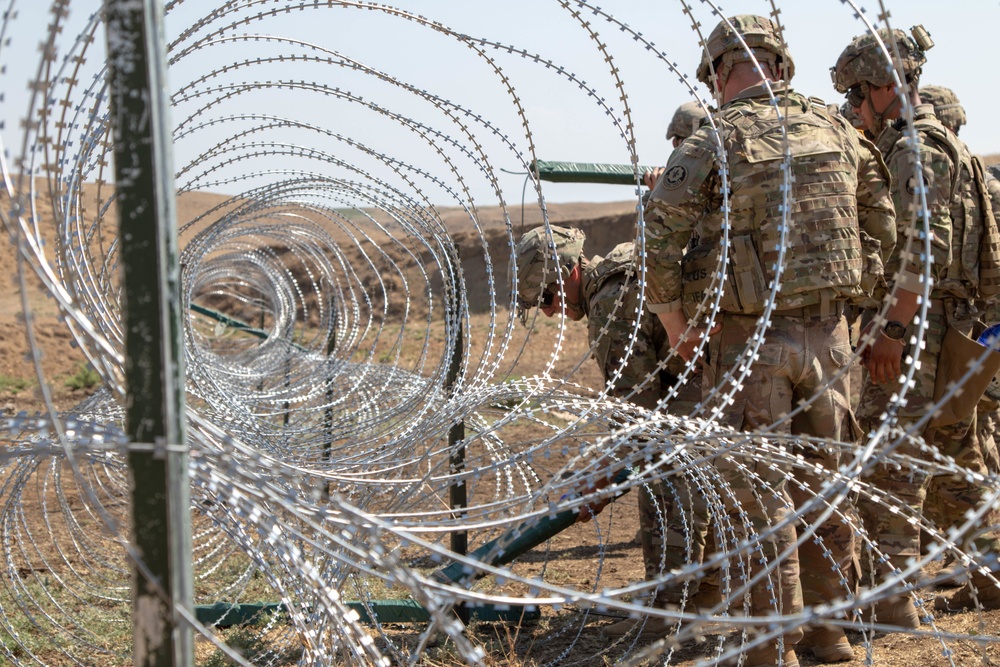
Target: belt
(834, 309)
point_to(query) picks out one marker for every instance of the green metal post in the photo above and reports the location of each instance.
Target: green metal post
(458, 497)
(154, 371)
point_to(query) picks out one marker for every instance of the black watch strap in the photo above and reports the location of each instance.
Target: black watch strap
(894, 330)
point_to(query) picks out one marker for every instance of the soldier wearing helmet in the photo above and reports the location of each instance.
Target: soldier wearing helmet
(688, 117)
(555, 276)
(833, 176)
(863, 75)
(946, 186)
(951, 113)
(947, 108)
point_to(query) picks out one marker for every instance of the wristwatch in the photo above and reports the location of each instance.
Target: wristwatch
(894, 330)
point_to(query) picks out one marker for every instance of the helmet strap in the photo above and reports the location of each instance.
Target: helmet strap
(878, 118)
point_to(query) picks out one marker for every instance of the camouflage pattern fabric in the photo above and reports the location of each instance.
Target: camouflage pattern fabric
(757, 33)
(541, 262)
(838, 183)
(987, 411)
(952, 303)
(957, 249)
(863, 61)
(947, 108)
(803, 358)
(611, 296)
(628, 356)
(686, 120)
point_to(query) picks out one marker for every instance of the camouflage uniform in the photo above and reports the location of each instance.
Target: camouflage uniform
(837, 180)
(950, 112)
(668, 516)
(955, 218)
(686, 120)
(988, 410)
(947, 108)
(610, 299)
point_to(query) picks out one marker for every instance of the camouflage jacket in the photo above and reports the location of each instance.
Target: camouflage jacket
(611, 299)
(953, 207)
(597, 272)
(838, 181)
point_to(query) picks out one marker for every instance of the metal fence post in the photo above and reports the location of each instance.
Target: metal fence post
(458, 498)
(154, 370)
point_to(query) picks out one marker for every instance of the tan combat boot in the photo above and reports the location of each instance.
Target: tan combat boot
(897, 611)
(827, 643)
(767, 656)
(987, 596)
(648, 629)
(707, 597)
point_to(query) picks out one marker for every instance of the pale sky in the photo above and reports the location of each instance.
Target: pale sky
(565, 122)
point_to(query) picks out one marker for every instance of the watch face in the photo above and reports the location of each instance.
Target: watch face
(894, 330)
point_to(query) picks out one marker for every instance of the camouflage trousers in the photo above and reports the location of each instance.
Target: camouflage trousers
(943, 514)
(629, 356)
(802, 359)
(894, 533)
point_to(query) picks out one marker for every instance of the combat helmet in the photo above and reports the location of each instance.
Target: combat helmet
(686, 120)
(947, 108)
(540, 264)
(760, 35)
(864, 62)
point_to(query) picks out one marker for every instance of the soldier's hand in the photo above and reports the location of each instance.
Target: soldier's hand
(650, 178)
(598, 504)
(884, 359)
(684, 341)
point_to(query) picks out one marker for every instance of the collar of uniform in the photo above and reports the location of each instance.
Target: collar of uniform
(760, 90)
(920, 111)
(588, 267)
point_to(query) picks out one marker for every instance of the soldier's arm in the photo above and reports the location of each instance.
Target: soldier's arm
(675, 205)
(934, 176)
(876, 213)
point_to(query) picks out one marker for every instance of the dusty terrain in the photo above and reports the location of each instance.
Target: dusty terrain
(57, 362)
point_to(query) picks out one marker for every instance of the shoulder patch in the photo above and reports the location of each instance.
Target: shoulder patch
(911, 185)
(674, 176)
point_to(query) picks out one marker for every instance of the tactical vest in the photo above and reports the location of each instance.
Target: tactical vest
(823, 254)
(601, 269)
(971, 211)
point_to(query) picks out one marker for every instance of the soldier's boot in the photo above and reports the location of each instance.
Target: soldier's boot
(648, 629)
(952, 574)
(768, 656)
(707, 597)
(898, 611)
(827, 643)
(987, 596)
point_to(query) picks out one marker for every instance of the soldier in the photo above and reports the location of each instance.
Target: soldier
(688, 118)
(947, 108)
(957, 214)
(602, 290)
(832, 177)
(951, 113)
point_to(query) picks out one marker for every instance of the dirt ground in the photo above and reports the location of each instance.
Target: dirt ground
(570, 556)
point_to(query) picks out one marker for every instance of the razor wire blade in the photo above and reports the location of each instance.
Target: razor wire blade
(327, 293)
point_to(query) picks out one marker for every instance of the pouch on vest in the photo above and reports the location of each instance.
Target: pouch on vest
(744, 291)
(958, 353)
(872, 271)
(989, 246)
